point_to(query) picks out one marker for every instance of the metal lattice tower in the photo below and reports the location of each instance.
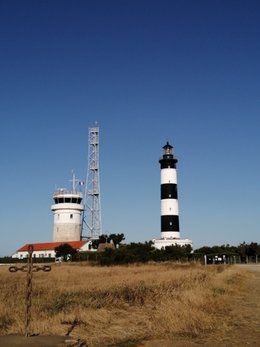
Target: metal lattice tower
(91, 223)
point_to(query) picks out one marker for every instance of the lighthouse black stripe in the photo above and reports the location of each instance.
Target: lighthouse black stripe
(168, 163)
(169, 223)
(169, 191)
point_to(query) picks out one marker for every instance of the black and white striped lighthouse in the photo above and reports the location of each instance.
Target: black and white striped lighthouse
(169, 196)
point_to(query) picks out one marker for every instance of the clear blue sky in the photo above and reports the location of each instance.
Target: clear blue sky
(186, 72)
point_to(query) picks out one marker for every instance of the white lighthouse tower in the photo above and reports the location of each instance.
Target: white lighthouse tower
(170, 229)
(67, 210)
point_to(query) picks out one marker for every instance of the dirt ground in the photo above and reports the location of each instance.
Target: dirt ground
(243, 328)
(39, 341)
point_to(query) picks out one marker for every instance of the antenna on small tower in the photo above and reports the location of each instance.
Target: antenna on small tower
(91, 218)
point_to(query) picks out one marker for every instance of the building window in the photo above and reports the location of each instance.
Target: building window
(71, 216)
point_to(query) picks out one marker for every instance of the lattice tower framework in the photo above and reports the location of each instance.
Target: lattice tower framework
(91, 223)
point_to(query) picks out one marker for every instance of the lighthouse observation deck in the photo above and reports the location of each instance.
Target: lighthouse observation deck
(67, 209)
(62, 196)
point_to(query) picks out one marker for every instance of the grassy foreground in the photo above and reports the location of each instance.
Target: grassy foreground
(109, 305)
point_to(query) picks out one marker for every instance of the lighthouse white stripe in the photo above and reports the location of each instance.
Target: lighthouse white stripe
(169, 207)
(168, 176)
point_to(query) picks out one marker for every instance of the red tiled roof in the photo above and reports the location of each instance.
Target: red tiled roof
(51, 245)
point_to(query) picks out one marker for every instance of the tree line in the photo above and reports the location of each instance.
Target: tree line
(145, 252)
(243, 249)
(124, 253)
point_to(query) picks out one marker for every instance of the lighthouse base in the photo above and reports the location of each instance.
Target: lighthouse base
(162, 243)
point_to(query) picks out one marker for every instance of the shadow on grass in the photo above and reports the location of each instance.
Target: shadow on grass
(128, 343)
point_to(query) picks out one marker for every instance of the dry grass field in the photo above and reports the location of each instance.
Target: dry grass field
(111, 306)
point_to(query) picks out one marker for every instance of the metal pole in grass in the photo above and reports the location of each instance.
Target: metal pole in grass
(28, 295)
(29, 268)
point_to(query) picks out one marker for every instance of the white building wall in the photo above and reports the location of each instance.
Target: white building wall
(67, 222)
(36, 254)
(50, 253)
(170, 234)
(162, 243)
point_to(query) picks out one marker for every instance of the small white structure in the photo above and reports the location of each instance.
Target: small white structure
(47, 250)
(67, 210)
(170, 230)
(162, 243)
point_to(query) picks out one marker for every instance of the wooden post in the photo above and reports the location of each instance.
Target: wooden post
(29, 269)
